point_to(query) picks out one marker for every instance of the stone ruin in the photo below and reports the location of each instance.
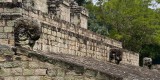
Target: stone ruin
(54, 33)
(55, 26)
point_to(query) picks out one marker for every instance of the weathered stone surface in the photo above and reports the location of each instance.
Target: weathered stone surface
(8, 29)
(60, 72)
(40, 72)
(52, 72)
(10, 23)
(90, 73)
(9, 78)
(5, 72)
(28, 72)
(5, 50)
(33, 78)
(1, 29)
(11, 64)
(33, 65)
(68, 67)
(59, 35)
(19, 78)
(3, 36)
(16, 71)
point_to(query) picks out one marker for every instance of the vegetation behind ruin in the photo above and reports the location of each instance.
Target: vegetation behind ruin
(134, 22)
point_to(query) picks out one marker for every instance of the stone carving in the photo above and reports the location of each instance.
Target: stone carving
(26, 32)
(147, 62)
(115, 54)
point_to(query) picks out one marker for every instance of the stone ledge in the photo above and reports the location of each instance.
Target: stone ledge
(85, 66)
(94, 67)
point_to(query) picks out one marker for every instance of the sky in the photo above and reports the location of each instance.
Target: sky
(155, 5)
(94, 1)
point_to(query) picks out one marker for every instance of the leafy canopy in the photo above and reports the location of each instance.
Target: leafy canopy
(129, 21)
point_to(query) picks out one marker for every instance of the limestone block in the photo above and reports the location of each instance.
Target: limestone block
(60, 72)
(101, 76)
(70, 77)
(1, 29)
(52, 72)
(58, 34)
(33, 15)
(16, 71)
(45, 30)
(89, 78)
(40, 72)
(33, 65)
(49, 31)
(28, 72)
(19, 78)
(78, 77)
(1, 9)
(17, 10)
(9, 10)
(25, 64)
(33, 78)
(8, 78)
(2, 23)
(11, 64)
(54, 33)
(59, 78)
(41, 5)
(46, 78)
(8, 29)
(60, 40)
(3, 36)
(5, 72)
(49, 66)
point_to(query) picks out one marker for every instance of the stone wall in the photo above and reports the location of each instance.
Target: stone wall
(84, 21)
(8, 13)
(84, 18)
(60, 36)
(23, 67)
(65, 12)
(79, 15)
(41, 5)
(130, 57)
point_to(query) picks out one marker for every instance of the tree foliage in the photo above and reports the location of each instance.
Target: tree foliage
(129, 21)
(80, 2)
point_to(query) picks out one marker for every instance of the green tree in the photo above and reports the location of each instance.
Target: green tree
(80, 2)
(129, 21)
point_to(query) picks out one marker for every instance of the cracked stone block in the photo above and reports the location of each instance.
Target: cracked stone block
(28, 72)
(10, 23)
(90, 73)
(9, 78)
(33, 65)
(1, 29)
(11, 65)
(52, 72)
(3, 36)
(8, 29)
(16, 71)
(40, 72)
(33, 78)
(19, 78)
(60, 72)
(5, 72)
